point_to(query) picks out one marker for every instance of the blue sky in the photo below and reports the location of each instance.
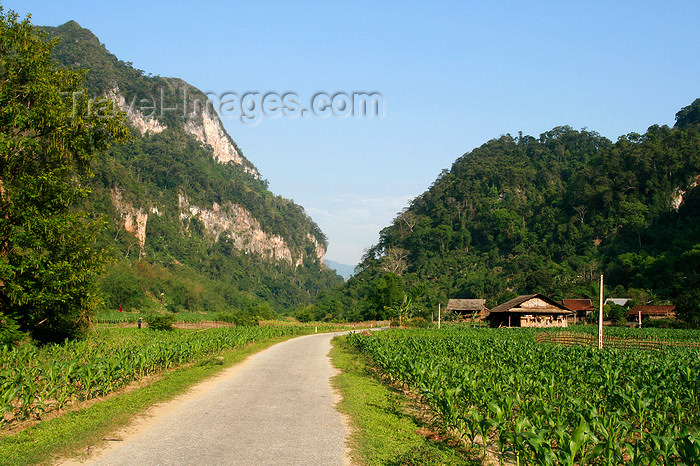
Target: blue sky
(452, 75)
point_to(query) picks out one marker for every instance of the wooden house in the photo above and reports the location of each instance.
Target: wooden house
(651, 312)
(582, 307)
(469, 308)
(533, 310)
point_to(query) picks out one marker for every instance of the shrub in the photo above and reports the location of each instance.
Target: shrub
(122, 287)
(237, 318)
(9, 331)
(418, 322)
(160, 321)
(662, 323)
(228, 317)
(263, 311)
(688, 308)
(615, 313)
(305, 313)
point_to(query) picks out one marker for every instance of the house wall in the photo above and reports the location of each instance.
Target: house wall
(534, 302)
(635, 317)
(541, 321)
(667, 316)
(530, 314)
(479, 316)
(501, 320)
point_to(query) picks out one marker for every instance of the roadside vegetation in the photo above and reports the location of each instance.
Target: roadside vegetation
(536, 403)
(517, 215)
(387, 428)
(47, 394)
(36, 381)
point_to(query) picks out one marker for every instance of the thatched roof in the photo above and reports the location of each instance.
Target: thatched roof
(466, 305)
(514, 306)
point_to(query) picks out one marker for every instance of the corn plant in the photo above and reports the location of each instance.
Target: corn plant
(34, 381)
(546, 404)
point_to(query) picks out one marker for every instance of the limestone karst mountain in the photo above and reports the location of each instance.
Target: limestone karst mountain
(190, 222)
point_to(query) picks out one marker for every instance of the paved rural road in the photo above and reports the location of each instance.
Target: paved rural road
(274, 409)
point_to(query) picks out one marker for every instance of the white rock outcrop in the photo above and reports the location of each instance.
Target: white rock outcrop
(239, 225)
(210, 131)
(207, 129)
(679, 194)
(144, 125)
(134, 219)
(231, 220)
(319, 249)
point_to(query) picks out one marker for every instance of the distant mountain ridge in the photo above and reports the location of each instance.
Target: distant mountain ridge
(182, 202)
(344, 270)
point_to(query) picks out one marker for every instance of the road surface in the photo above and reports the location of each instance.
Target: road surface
(276, 408)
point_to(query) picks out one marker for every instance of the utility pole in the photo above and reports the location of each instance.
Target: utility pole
(600, 316)
(439, 316)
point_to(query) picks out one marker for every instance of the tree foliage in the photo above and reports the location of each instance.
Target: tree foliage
(689, 115)
(522, 215)
(182, 266)
(49, 134)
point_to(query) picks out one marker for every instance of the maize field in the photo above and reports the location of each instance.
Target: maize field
(548, 404)
(35, 381)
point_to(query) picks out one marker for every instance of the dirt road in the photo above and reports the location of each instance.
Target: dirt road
(274, 409)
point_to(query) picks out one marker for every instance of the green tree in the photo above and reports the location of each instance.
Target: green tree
(402, 311)
(688, 306)
(9, 331)
(121, 288)
(388, 294)
(615, 313)
(49, 133)
(689, 115)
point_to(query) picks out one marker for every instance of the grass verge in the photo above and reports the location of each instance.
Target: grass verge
(76, 432)
(386, 430)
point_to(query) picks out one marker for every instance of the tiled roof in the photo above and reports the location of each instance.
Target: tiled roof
(660, 310)
(579, 304)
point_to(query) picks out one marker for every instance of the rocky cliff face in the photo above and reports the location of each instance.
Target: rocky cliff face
(319, 249)
(679, 194)
(181, 193)
(209, 130)
(144, 125)
(239, 225)
(204, 125)
(133, 219)
(228, 219)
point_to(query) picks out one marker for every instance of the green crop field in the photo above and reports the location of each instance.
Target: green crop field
(35, 381)
(114, 317)
(548, 404)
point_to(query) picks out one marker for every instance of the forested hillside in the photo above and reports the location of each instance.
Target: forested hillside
(190, 225)
(548, 214)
